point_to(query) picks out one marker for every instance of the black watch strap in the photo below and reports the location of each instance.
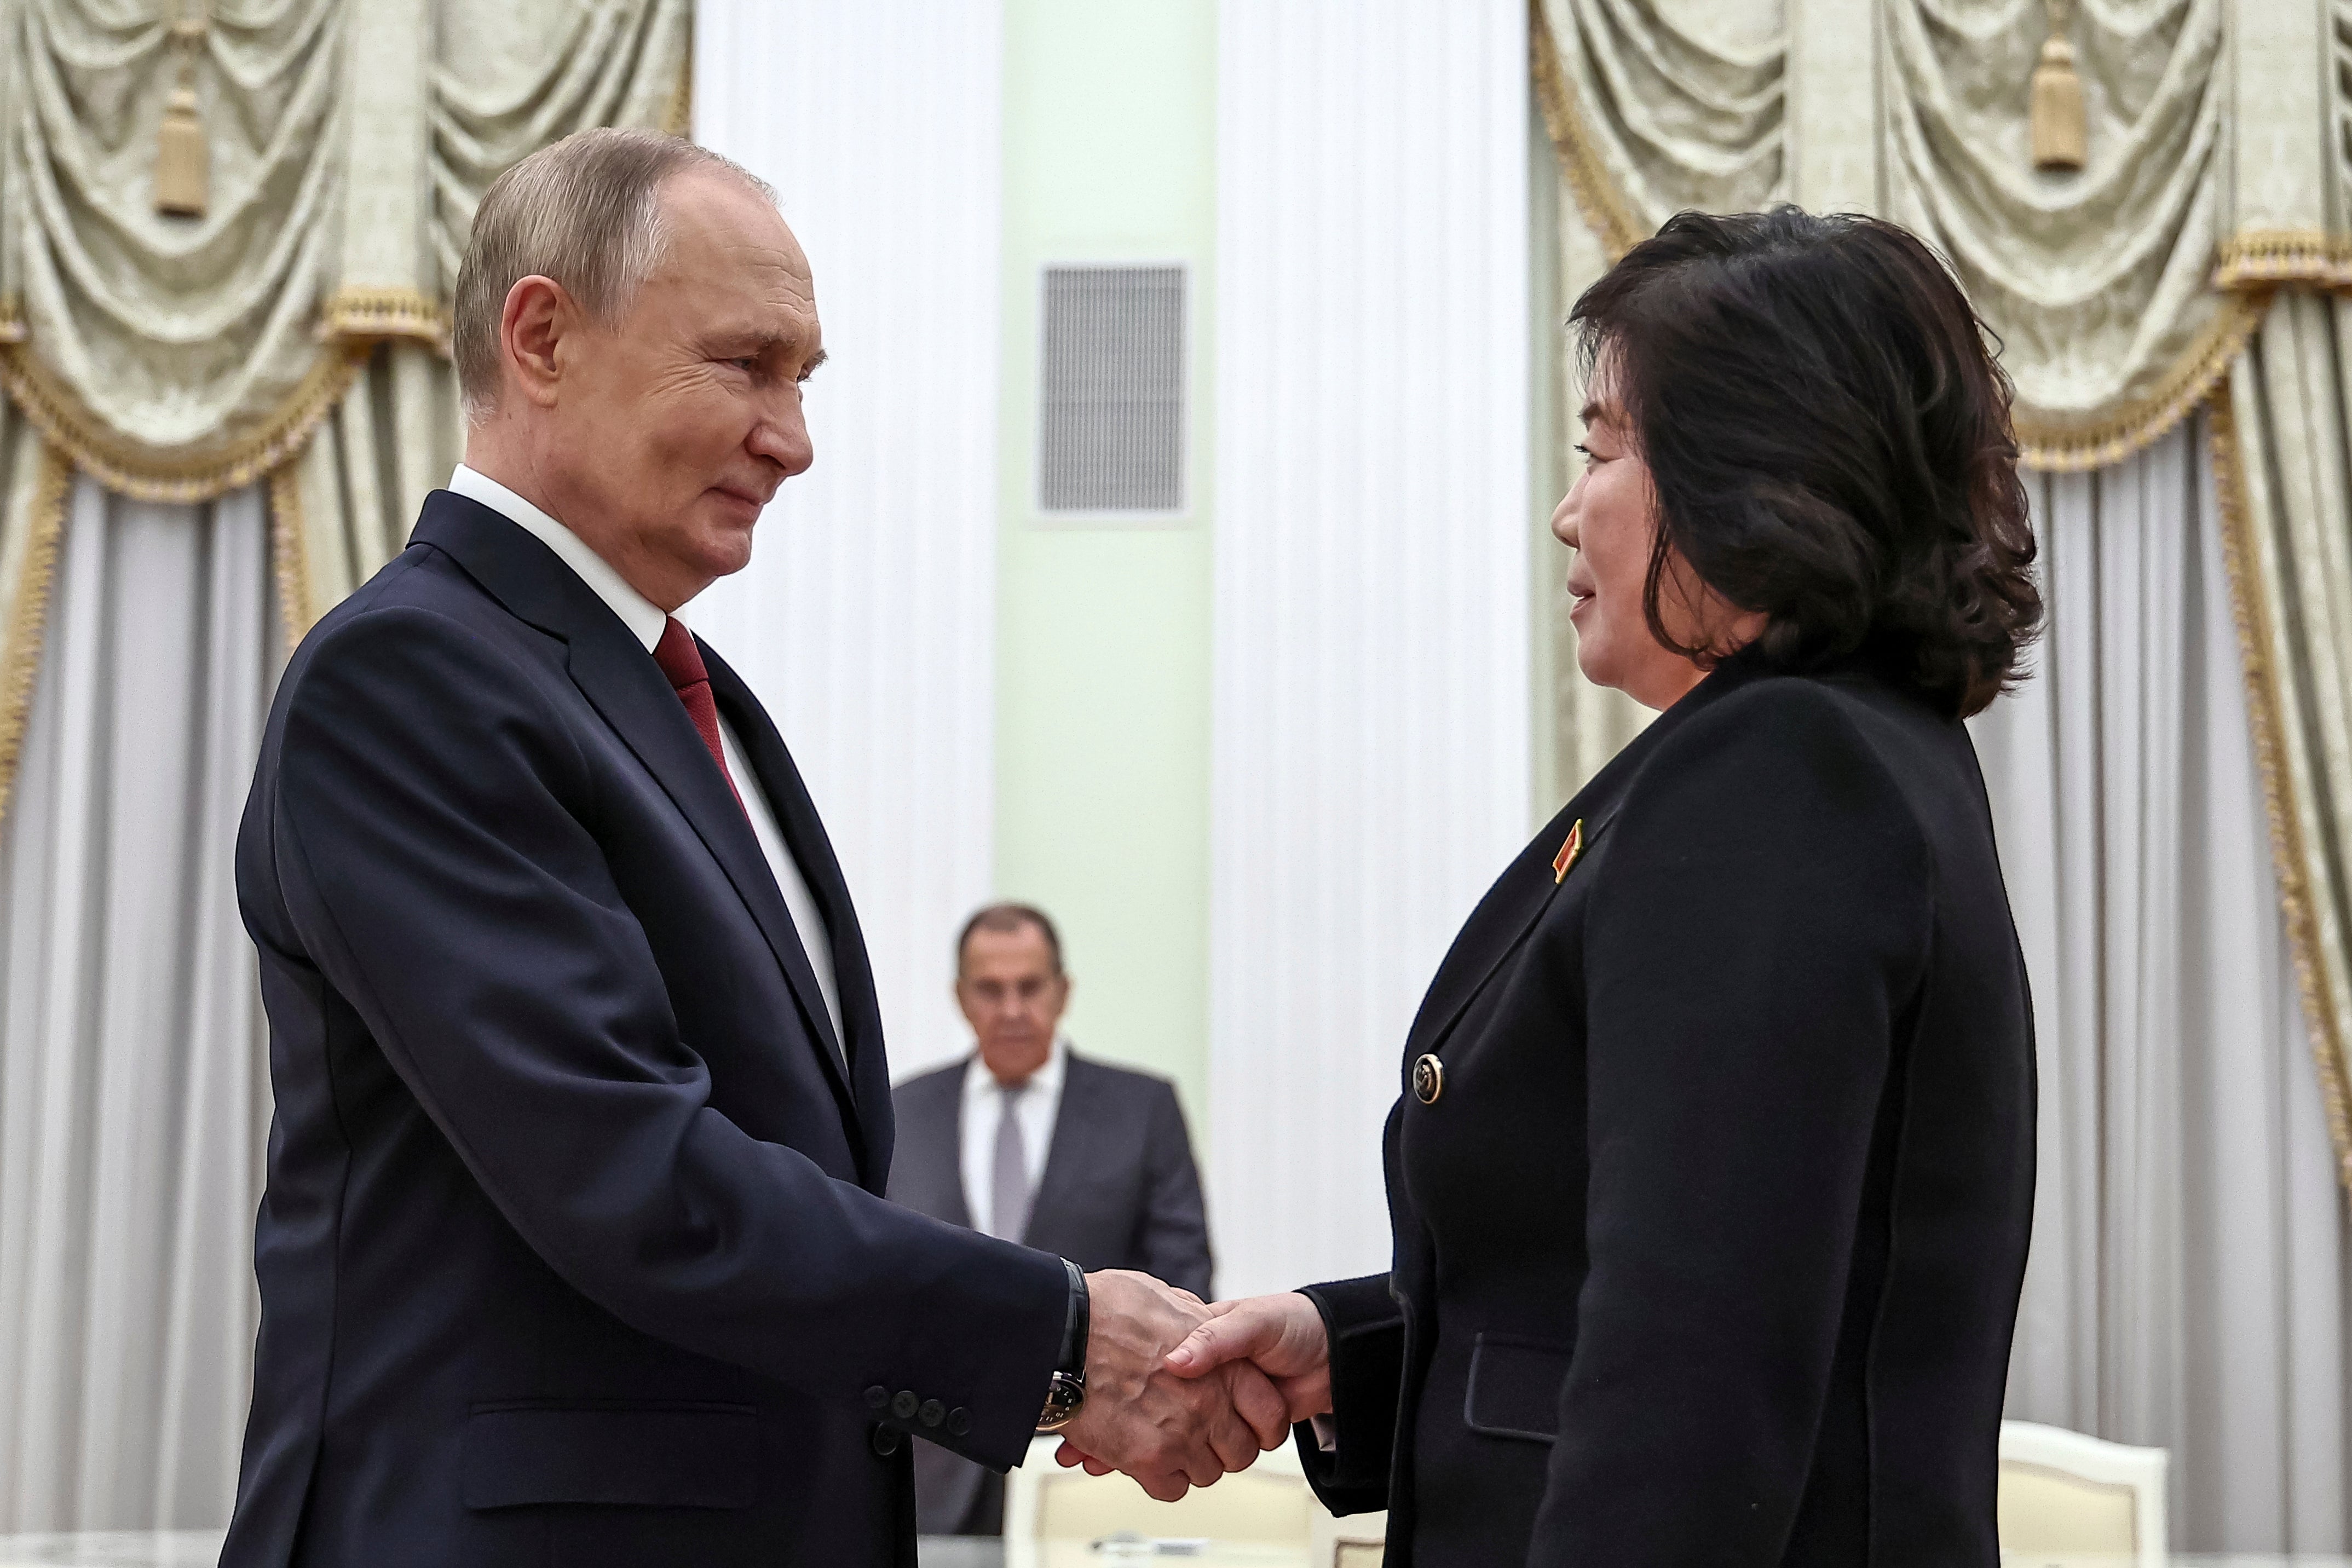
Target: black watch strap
(1074, 1323)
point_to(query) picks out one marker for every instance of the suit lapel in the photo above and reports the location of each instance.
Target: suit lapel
(1517, 902)
(1501, 922)
(811, 850)
(1066, 1153)
(621, 681)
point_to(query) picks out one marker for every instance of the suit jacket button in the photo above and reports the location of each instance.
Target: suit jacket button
(876, 1398)
(904, 1405)
(932, 1412)
(959, 1422)
(886, 1440)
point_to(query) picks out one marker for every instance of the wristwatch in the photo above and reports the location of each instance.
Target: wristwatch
(1067, 1390)
(1063, 1396)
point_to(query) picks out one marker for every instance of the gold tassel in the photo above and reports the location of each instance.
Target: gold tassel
(184, 154)
(2059, 137)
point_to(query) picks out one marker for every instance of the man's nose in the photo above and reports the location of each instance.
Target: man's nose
(782, 437)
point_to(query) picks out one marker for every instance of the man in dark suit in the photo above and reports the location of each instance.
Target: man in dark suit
(573, 1248)
(1028, 1140)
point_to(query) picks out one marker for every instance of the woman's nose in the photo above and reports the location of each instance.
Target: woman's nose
(1563, 517)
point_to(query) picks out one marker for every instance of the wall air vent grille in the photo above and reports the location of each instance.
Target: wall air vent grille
(1110, 425)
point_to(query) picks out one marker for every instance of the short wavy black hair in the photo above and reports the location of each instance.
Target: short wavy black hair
(1829, 433)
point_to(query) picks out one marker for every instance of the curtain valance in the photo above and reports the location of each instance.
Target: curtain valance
(2121, 291)
(295, 329)
(175, 357)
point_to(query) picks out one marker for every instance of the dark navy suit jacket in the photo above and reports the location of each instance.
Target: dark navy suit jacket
(572, 1249)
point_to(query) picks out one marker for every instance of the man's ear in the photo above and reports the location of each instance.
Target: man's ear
(538, 313)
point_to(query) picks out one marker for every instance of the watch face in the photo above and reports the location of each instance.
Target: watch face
(1063, 1397)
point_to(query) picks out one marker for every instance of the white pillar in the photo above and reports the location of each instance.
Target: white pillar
(1369, 749)
(865, 621)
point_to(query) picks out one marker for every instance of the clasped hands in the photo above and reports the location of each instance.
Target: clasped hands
(1179, 1393)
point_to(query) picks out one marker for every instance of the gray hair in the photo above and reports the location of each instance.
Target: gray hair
(587, 212)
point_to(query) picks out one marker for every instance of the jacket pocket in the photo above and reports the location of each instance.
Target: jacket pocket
(1514, 1387)
(624, 1454)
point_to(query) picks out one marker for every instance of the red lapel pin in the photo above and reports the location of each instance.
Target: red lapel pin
(1569, 850)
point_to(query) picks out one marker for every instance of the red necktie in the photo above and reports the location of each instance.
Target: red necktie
(682, 662)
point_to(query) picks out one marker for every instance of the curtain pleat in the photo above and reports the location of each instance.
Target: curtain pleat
(2188, 1281)
(132, 1081)
(2288, 492)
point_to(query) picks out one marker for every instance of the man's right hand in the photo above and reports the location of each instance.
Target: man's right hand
(1170, 1434)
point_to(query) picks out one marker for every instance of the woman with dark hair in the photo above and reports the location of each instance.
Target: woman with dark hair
(1713, 1169)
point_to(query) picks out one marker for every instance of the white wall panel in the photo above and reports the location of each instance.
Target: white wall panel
(867, 619)
(1371, 653)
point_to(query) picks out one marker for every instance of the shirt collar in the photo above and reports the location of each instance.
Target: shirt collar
(1046, 1082)
(645, 619)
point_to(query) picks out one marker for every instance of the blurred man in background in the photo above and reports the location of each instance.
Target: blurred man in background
(1027, 1141)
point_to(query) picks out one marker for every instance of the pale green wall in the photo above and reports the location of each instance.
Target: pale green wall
(1102, 651)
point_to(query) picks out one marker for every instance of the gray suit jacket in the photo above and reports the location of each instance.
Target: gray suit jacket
(1119, 1192)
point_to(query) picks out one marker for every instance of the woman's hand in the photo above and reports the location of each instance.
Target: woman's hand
(1282, 1335)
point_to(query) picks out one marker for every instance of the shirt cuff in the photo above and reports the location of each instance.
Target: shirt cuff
(1327, 1433)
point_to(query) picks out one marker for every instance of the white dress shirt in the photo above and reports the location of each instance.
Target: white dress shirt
(983, 1111)
(646, 621)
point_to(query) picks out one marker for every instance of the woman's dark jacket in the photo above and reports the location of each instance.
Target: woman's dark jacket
(1708, 1250)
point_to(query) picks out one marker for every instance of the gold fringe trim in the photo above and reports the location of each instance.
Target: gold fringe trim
(289, 551)
(20, 659)
(2264, 700)
(371, 315)
(12, 319)
(1604, 208)
(2073, 443)
(2265, 258)
(149, 473)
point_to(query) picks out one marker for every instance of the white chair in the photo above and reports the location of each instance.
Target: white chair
(1359, 1540)
(2066, 1500)
(1268, 1504)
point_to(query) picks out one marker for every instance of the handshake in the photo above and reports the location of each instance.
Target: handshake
(1179, 1393)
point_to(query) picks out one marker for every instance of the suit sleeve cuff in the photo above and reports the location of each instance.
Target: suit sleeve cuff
(1367, 1334)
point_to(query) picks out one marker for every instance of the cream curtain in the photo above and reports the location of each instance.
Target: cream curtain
(2287, 492)
(2095, 282)
(174, 356)
(132, 1088)
(1662, 106)
(2208, 130)
(2189, 1284)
